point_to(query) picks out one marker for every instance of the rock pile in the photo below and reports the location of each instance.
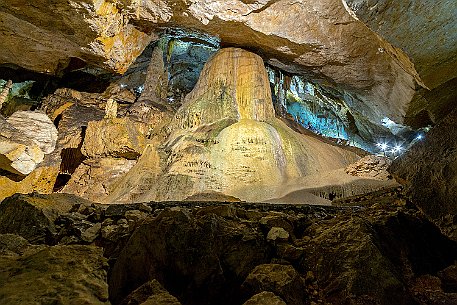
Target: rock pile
(170, 253)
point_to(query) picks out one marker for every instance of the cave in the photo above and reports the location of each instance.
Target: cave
(267, 152)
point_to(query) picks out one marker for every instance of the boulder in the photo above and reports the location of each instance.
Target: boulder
(37, 127)
(41, 180)
(371, 167)
(282, 280)
(94, 178)
(265, 298)
(150, 293)
(38, 213)
(356, 258)
(25, 137)
(116, 137)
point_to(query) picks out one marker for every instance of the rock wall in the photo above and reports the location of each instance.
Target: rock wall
(429, 173)
(381, 252)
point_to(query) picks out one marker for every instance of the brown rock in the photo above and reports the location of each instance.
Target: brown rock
(282, 280)
(265, 298)
(370, 167)
(94, 178)
(150, 293)
(156, 83)
(36, 221)
(41, 180)
(428, 172)
(117, 137)
(60, 274)
(25, 136)
(179, 250)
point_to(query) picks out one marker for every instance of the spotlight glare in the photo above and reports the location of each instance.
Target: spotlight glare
(383, 146)
(419, 137)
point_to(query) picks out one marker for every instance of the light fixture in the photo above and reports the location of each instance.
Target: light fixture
(383, 146)
(419, 137)
(397, 149)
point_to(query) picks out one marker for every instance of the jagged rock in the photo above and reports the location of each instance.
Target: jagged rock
(110, 109)
(177, 244)
(150, 293)
(428, 172)
(434, 68)
(23, 165)
(94, 178)
(91, 233)
(156, 83)
(11, 244)
(18, 158)
(36, 221)
(25, 136)
(117, 137)
(5, 91)
(226, 139)
(282, 280)
(97, 32)
(60, 274)
(41, 180)
(37, 127)
(370, 167)
(277, 234)
(356, 258)
(448, 277)
(265, 298)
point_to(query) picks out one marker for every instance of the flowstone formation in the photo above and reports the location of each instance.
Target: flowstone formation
(226, 139)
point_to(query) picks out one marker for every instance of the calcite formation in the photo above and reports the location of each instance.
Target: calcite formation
(226, 138)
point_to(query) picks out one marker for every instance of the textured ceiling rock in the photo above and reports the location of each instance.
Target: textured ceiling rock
(47, 34)
(425, 30)
(317, 38)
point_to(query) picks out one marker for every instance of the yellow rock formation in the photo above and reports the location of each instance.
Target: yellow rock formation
(226, 139)
(41, 180)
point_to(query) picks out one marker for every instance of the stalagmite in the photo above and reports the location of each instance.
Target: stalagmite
(156, 84)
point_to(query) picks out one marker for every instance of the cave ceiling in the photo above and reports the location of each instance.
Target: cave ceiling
(373, 52)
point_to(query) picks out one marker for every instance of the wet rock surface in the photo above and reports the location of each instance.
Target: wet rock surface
(380, 252)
